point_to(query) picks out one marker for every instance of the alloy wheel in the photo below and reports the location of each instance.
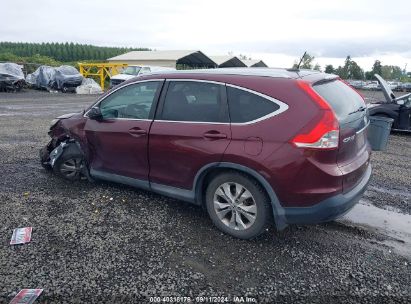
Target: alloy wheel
(71, 167)
(235, 206)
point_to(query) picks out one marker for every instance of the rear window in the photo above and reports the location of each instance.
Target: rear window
(342, 99)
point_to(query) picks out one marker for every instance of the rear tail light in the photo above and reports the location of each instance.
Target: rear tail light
(325, 133)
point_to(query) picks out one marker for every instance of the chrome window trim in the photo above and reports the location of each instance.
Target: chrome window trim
(109, 94)
(282, 106)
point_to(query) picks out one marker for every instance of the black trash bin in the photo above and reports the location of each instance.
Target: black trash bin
(378, 132)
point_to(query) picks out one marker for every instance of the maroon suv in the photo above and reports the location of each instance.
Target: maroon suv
(250, 145)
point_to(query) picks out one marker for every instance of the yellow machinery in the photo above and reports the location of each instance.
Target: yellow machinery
(102, 70)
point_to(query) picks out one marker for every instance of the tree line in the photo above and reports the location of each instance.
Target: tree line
(351, 70)
(63, 52)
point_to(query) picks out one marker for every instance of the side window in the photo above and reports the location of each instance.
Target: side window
(246, 106)
(133, 101)
(195, 101)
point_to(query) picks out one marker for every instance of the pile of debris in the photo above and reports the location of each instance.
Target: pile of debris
(89, 86)
(11, 77)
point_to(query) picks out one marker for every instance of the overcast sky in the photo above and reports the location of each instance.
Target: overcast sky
(276, 31)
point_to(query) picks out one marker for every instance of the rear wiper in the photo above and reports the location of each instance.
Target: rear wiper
(360, 109)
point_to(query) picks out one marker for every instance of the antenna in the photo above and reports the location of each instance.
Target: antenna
(301, 60)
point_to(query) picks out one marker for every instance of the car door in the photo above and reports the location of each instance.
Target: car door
(190, 131)
(118, 141)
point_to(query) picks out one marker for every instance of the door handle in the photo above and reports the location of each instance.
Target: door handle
(137, 132)
(214, 135)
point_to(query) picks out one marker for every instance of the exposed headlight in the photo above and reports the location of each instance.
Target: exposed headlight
(54, 122)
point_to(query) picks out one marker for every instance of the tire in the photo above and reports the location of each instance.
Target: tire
(251, 216)
(64, 89)
(70, 164)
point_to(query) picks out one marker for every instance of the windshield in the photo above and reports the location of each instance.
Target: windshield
(67, 70)
(131, 70)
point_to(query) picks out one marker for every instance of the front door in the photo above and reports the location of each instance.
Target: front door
(118, 142)
(191, 130)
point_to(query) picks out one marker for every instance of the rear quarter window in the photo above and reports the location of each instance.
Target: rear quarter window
(245, 106)
(342, 99)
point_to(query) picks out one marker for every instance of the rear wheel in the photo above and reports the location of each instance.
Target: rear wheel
(238, 205)
(70, 164)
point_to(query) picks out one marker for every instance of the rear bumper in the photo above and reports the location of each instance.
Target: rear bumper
(330, 208)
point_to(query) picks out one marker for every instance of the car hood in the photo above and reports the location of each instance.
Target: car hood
(386, 89)
(69, 115)
(123, 76)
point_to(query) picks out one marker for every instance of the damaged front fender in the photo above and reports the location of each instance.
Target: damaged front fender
(49, 159)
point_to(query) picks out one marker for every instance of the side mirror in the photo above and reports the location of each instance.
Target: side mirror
(95, 114)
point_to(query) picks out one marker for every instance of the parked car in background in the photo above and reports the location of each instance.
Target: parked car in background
(406, 87)
(394, 85)
(64, 78)
(11, 77)
(135, 70)
(357, 84)
(372, 86)
(397, 108)
(250, 145)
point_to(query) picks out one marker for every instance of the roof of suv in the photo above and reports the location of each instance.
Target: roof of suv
(263, 72)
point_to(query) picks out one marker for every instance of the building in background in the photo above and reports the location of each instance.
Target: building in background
(254, 63)
(227, 61)
(180, 59)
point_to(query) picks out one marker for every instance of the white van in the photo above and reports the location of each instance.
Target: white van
(135, 70)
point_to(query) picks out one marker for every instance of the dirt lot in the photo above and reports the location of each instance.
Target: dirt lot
(109, 243)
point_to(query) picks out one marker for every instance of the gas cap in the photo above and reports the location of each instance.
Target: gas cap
(253, 145)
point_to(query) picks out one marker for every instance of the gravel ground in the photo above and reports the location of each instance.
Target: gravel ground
(107, 243)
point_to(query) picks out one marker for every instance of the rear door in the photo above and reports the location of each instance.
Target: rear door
(191, 130)
(351, 112)
(119, 141)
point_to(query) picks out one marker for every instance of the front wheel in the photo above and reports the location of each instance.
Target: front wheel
(238, 205)
(70, 164)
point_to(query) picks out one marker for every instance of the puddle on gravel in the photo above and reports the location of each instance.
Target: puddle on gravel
(395, 225)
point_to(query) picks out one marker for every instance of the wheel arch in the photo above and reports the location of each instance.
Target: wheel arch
(211, 170)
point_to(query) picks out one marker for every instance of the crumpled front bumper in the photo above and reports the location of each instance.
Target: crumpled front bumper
(51, 152)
